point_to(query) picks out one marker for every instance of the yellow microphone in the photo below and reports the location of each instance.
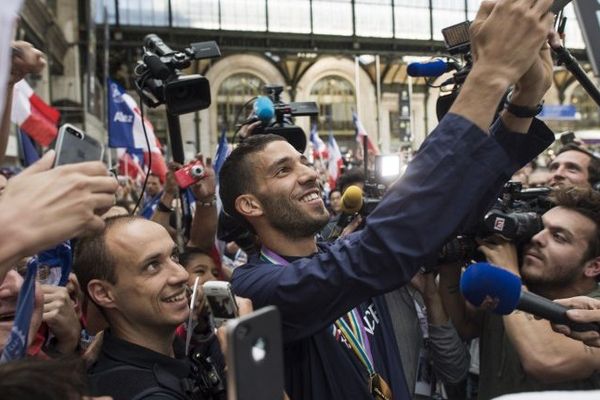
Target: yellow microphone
(352, 200)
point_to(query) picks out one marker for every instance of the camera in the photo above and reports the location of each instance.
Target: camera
(205, 381)
(516, 216)
(159, 79)
(458, 44)
(189, 174)
(276, 116)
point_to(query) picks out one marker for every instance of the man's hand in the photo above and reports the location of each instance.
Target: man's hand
(247, 130)
(352, 226)
(25, 59)
(533, 85)
(501, 253)
(171, 189)
(59, 314)
(425, 284)
(206, 188)
(43, 206)
(506, 33)
(584, 309)
(244, 308)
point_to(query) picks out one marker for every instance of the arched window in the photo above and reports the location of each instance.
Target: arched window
(233, 93)
(336, 100)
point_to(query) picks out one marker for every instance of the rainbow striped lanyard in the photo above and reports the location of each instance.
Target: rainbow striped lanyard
(350, 325)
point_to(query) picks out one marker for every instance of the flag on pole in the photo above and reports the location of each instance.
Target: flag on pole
(30, 153)
(361, 133)
(319, 147)
(16, 344)
(335, 161)
(222, 152)
(34, 117)
(126, 128)
(131, 164)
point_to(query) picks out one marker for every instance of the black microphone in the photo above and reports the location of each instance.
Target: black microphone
(483, 279)
(158, 69)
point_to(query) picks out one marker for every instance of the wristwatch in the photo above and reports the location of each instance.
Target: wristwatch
(212, 202)
(522, 111)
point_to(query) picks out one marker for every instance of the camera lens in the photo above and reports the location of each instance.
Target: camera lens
(242, 331)
(196, 171)
(75, 133)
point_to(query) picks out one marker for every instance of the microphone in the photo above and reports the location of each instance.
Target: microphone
(352, 200)
(483, 279)
(158, 69)
(264, 109)
(433, 68)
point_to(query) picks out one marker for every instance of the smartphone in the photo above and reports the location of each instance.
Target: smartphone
(558, 5)
(220, 301)
(74, 146)
(255, 356)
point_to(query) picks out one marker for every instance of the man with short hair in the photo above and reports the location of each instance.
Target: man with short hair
(269, 186)
(574, 166)
(519, 353)
(152, 196)
(335, 201)
(132, 273)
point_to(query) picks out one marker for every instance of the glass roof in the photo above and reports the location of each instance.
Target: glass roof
(401, 19)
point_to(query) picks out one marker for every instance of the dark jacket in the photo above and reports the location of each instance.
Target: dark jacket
(127, 371)
(452, 180)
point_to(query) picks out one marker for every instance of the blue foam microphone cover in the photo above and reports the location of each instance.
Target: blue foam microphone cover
(429, 69)
(264, 109)
(483, 279)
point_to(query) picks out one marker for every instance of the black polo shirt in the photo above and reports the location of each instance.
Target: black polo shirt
(127, 371)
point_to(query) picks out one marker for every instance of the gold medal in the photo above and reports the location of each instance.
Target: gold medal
(379, 388)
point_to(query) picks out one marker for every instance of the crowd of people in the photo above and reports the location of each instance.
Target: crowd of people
(360, 316)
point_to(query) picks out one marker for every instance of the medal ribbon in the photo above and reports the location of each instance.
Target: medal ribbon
(354, 332)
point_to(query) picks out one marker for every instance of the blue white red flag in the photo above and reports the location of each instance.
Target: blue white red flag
(34, 117)
(30, 153)
(16, 345)
(335, 161)
(361, 132)
(223, 151)
(319, 147)
(126, 128)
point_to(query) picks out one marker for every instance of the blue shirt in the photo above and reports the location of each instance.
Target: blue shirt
(448, 186)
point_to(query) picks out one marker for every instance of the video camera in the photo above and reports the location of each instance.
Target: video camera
(276, 116)
(159, 79)
(516, 216)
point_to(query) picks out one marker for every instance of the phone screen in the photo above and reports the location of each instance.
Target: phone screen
(222, 305)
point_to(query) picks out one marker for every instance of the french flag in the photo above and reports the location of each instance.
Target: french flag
(130, 164)
(335, 161)
(34, 117)
(361, 132)
(319, 147)
(125, 129)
